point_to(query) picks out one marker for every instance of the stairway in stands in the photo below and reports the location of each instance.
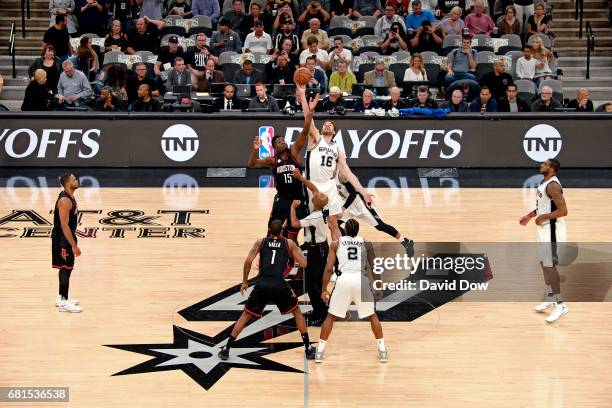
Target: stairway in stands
(572, 50)
(27, 48)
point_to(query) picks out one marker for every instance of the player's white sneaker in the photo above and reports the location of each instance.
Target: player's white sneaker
(543, 306)
(383, 355)
(560, 310)
(58, 301)
(66, 306)
(319, 356)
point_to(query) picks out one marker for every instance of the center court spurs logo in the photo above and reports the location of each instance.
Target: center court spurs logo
(196, 354)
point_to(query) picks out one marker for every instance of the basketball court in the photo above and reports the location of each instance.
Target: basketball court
(158, 282)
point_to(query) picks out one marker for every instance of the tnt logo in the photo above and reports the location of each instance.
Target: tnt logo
(542, 142)
(180, 143)
(266, 133)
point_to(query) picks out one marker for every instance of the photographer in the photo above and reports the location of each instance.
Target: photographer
(339, 53)
(427, 39)
(396, 39)
(314, 10)
(461, 63)
(107, 102)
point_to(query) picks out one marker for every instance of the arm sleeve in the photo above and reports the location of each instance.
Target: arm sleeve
(352, 194)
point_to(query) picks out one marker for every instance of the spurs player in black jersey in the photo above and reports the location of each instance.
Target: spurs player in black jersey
(270, 287)
(285, 160)
(64, 246)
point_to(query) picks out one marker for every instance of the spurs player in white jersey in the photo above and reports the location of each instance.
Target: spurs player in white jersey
(323, 159)
(355, 259)
(549, 213)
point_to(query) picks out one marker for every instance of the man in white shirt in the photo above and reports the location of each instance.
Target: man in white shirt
(313, 49)
(258, 41)
(339, 53)
(526, 65)
(381, 29)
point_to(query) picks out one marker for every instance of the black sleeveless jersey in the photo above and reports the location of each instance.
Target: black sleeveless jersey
(273, 259)
(286, 185)
(72, 220)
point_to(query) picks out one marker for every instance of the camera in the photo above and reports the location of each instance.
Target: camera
(338, 110)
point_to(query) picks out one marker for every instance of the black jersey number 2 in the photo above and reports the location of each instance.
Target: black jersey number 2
(327, 161)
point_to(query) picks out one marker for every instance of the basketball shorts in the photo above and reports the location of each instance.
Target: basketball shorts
(62, 256)
(281, 210)
(360, 211)
(351, 288)
(334, 201)
(282, 295)
(551, 236)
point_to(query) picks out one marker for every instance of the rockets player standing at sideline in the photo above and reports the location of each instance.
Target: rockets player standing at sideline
(355, 207)
(323, 159)
(549, 213)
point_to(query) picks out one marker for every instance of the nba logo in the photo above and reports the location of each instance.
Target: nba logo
(266, 182)
(266, 133)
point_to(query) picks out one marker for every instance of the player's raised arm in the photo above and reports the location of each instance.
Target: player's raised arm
(299, 143)
(344, 168)
(246, 269)
(295, 222)
(64, 206)
(329, 266)
(254, 161)
(309, 185)
(297, 253)
(556, 194)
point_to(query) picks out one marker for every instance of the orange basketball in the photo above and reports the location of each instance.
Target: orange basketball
(302, 76)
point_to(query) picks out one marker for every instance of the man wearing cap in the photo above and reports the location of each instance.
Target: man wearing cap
(225, 39)
(286, 32)
(258, 41)
(168, 54)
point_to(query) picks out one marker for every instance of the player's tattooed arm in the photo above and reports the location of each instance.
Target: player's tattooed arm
(329, 266)
(344, 168)
(254, 161)
(246, 269)
(556, 194)
(309, 184)
(64, 206)
(297, 254)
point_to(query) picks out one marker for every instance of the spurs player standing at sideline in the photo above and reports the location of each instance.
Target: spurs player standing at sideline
(64, 241)
(549, 213)
(323, 159)
(355, 259)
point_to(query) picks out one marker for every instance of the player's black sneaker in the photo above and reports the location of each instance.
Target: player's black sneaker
(224, 354)
(408, 245)
(316, 321)
(310, 353)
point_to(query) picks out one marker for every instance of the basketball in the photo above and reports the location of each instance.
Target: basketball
(302, 76)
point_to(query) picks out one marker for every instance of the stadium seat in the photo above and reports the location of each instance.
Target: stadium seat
(370, 43)
(433, 73)
(556, 87)
(450, 42)
(402, 57)
(514, 44)
(201, 24)
(174, 25)
(429, 57)
(363, 68)
(339, 25)
(526, 90)
(228, 64)
(514, 56)
(483, 43)
(399, 70)
(484, 61)
(370, 22)
(112, 57)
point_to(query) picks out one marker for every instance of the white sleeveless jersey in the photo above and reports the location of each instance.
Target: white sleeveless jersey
(351, 254)
(545, 204)
(321, 161)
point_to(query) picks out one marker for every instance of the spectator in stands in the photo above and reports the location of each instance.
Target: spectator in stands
(67, 8)
(423, 100)
(248, 74)
(304, 4)
(38, 96)
(427, 38)
(379, 77)
(315, 31)
(415, 19)
(607, 107)
(136, 79)
(383, 25)
(498, 80)
(509, 24)
(543, 57)
(456, 103)
(150, 8)
(332, 101)
(287, 46)
(116, 40)
(479, 22)
(524, 10)
(453, 25)
(428, 5)
(178, 75)
(396, 39)
(92, 16)
(180, 8)
(208, 8)
(258, 41)
(145, 103)
(511, 103)
(228, 101)
(248, 22)
(461, 62)
(314, 10)
(280, 70)
(366, 102)
(196, 58)
(342, 8)
(58, 37)
(526, 65)
(546, 102)
(342, 78)
(284, 14)
(400, 7)
(108, 102)
(582, 102)
(121, 10)
(225, 39)
(113, 77)
(73, 87)
(485, 102)
(287, 33)
(319, 78)
(395, 102)
(446, 7)
(363, 8)
(263, 101)
(185, 104)
(167, 56)
(144, 37)
(235, 15)
(314, 50)
(49, 63)
(339, 53)
(538, 23)
(416, 71)
(85, 59)
(210, 75)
